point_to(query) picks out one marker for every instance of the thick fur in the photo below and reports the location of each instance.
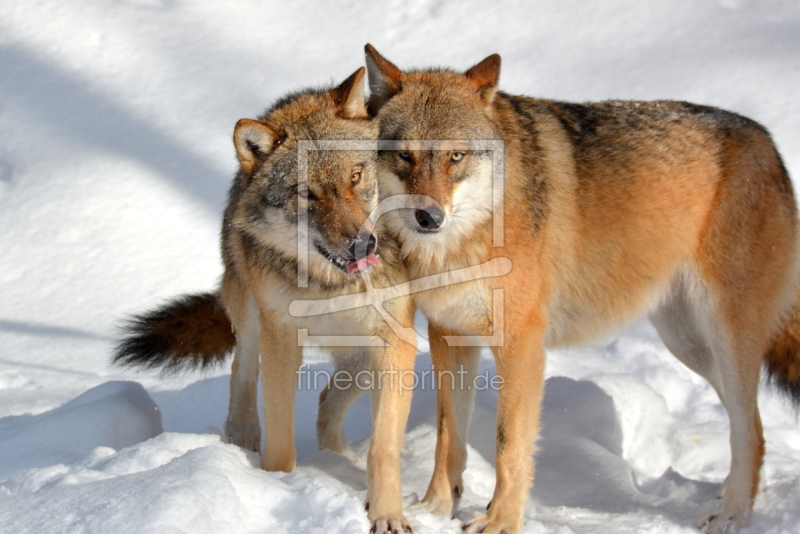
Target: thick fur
(611, 210)
(264, 275)
(192, 331)
(782, 359)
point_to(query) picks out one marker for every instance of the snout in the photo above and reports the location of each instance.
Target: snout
(429, 219)
(364, 245)
(363, 250)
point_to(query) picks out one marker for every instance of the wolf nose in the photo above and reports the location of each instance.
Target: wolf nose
(363, 245)
(429, 219)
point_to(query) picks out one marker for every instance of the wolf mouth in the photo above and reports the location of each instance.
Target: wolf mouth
(339, 262)
(353, 267)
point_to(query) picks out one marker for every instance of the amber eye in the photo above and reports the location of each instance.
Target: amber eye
(303, 192)
(455, 157)
(355, 177)
(405, 156)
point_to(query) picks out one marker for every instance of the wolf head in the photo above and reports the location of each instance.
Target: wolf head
(436, 123)
(289, 182)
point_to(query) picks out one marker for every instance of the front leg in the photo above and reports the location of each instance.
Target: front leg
(455, 369)
(392, 377)
(281, 358)
(241, 426)
(520, 364)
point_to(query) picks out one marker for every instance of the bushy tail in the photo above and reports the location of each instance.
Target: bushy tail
(782, 359)
(189, 332)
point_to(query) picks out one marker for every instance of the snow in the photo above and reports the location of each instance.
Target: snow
(114, 414)
(115, 155)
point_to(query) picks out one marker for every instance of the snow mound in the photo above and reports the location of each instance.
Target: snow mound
(115, 414)
(176, 483)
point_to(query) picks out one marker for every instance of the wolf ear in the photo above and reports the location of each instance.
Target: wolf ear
(486, 75)
(384, 79)
(253, 140)
(350, 96)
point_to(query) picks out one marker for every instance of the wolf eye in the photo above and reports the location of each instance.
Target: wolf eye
(355, 177)
(305, 192)
(455, 157)
(405, 156)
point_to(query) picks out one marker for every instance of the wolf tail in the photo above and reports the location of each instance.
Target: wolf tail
(782, 359)
(186, 333)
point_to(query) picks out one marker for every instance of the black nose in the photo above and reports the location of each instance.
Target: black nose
(429, 219)
(363, 245)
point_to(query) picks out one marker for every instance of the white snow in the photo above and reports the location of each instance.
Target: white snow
(115, 155)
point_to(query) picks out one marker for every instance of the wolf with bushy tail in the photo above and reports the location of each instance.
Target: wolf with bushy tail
(609, 210)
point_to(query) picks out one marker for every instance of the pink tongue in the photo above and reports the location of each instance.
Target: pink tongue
(362, 264)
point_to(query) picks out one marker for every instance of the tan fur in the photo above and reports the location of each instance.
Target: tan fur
(459, 366)
(262, 279)
(279, 293)
(611, 210)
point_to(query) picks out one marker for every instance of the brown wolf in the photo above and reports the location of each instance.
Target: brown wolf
(265, 272)
(609, 210)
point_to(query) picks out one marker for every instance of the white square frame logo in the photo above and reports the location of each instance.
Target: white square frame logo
(377, 296)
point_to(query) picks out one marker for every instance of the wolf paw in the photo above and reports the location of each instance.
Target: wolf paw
(721, 493)
(435, 506)
(246, 436)
(332, 440)
(391, 525)
(722, 523)
(441, 504)
(484, 524)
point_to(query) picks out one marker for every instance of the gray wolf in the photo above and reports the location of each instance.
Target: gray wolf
(265, 272)
(610, 210)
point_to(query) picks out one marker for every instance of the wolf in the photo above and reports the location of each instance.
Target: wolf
(328, 203)
(609, 210)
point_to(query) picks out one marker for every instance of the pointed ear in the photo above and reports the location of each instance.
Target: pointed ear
(350, 96)
(384, 79)
(486, 75)
(253, 140)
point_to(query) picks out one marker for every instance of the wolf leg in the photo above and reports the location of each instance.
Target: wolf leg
(392, 369)
(739, 371)
(337, 398)
(242, 427)
(281, 358)
(520, 363)
(455, 369)
(727, 356)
